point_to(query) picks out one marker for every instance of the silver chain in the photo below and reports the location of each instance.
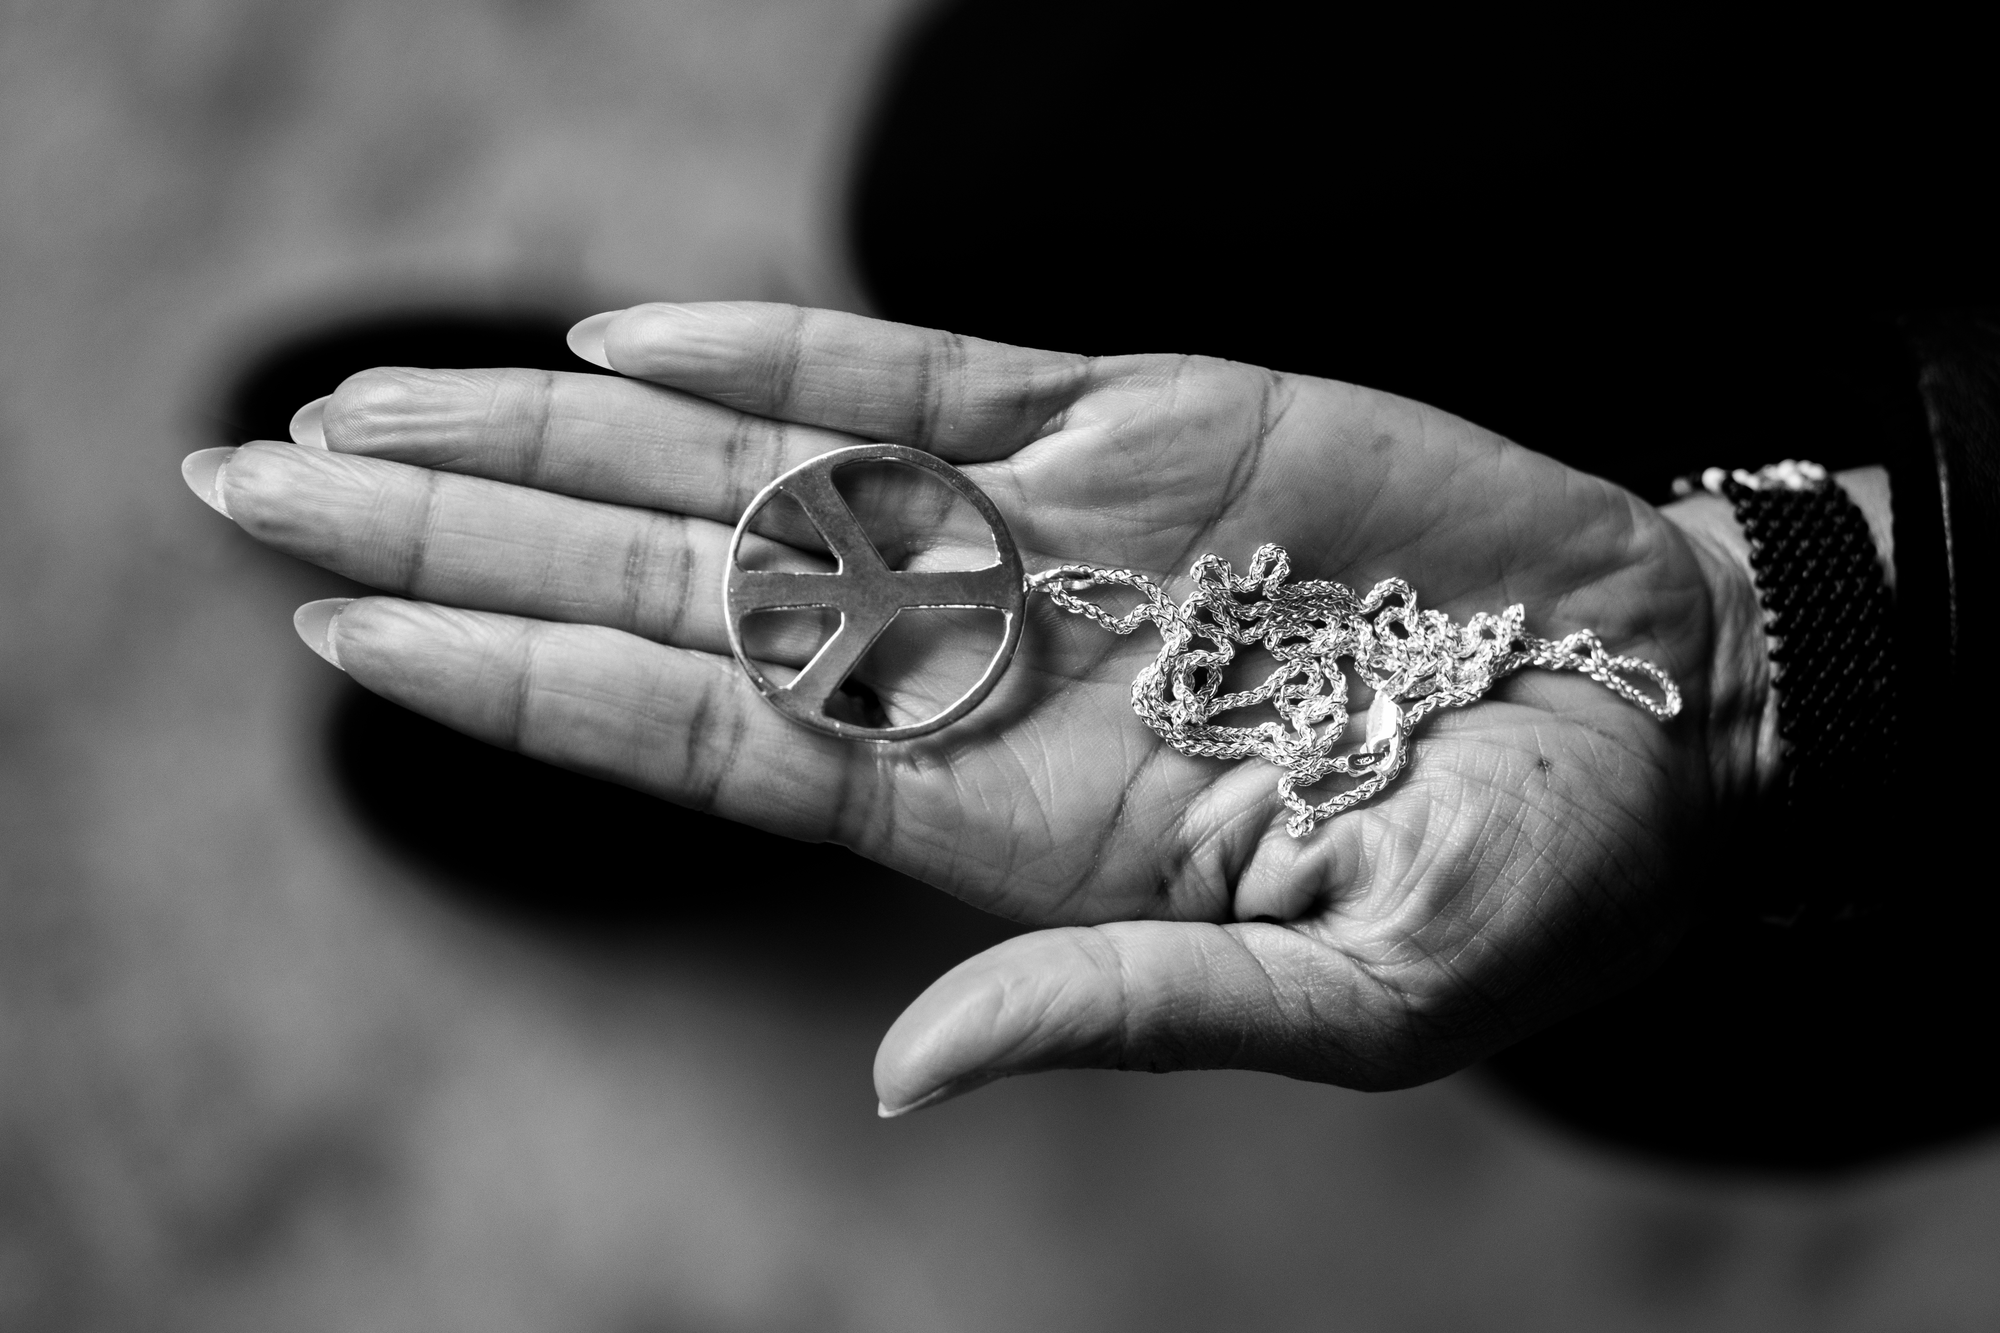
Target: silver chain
(1415, 661)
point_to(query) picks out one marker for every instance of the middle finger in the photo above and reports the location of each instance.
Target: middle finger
(588, 436)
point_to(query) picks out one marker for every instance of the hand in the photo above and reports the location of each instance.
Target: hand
(556, 544)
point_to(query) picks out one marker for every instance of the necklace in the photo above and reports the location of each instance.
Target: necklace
(1415, 661)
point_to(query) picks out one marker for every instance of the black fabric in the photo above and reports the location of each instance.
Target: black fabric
(1643, 250)
(1958, 376)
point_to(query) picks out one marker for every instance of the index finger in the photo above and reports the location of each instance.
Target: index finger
(961, 398)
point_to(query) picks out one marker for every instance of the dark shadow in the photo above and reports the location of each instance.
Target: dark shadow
(594, 862)
(1638, 251)
(260, 403)
(565, 855)
(1641, 249)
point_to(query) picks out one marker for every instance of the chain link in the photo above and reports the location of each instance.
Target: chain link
(1416, 661)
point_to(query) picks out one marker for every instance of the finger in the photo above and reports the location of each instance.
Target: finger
(485, 545)
(962, 398)
(593, 437)
(588, 436)
(1149, 995)
(681, 725)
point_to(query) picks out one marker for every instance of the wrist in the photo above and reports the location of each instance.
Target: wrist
(1740, 723)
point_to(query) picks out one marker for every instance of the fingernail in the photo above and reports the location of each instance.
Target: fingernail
(314, 622)
(587, 338)
(958, 1087)
(309, 424)
(202, 470)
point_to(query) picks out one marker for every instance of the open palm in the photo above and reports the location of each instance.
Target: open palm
(564, 539)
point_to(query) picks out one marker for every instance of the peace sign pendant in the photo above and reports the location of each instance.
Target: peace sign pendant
(866, 592)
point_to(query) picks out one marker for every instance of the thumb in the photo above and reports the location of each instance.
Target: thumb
(1152, 995)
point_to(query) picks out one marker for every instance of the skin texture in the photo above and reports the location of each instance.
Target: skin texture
(552, 547)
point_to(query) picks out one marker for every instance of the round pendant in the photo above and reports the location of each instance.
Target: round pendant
(866, 592)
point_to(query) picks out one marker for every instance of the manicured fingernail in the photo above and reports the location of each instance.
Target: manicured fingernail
(314, 622)
(958, 1087)
(587, 338)
(309, 424)
(202, 470)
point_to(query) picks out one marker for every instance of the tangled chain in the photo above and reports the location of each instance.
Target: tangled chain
(1415, 661)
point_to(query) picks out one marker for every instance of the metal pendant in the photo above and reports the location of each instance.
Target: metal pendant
(866, 592)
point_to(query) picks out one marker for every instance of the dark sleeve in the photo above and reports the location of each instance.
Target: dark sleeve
(1829, 1047)
(1947, 481)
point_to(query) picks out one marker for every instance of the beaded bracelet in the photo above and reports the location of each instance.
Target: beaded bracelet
(1829, 617)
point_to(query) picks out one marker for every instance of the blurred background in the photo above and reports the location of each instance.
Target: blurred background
(313, 1015)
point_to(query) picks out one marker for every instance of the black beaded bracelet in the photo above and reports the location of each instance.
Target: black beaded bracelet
(1829, 615)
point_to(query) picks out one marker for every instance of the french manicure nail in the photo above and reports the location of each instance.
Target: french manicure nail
(587, 338)
(202, 471)
(309, 424)
(314, 622)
